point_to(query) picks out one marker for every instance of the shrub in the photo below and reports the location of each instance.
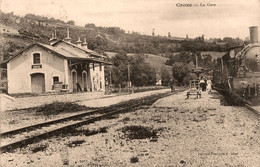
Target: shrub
(59, 107)
(138, 132)
(134, 159)
(75, 143)
(39, 148)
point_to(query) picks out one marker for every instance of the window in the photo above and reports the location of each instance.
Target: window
(55, 80)
(100, 67)
(93, 66)
(36, 58)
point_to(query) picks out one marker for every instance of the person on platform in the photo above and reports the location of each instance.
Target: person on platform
(209, 85)
(172, 85)
(202, 84)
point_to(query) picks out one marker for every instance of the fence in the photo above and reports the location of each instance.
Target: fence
(119, 89)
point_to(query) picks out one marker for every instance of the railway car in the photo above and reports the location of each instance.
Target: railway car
(238, 71)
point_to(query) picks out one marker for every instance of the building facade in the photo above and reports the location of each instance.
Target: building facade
(60, 66)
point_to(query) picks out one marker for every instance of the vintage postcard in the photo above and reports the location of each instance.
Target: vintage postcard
(129, 83)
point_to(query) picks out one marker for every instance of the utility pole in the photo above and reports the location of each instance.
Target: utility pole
(196, 61)
(110, 77)
(197, 70)
(129, 82)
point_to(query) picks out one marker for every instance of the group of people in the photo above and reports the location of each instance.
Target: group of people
(205, 84)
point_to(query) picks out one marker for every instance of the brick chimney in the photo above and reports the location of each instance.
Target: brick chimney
(79, 42)
(85, 44)
(68, 39)
(53, 37)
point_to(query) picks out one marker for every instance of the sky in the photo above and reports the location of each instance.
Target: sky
(230, 18)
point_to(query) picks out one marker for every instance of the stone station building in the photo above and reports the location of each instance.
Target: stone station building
(60, 66)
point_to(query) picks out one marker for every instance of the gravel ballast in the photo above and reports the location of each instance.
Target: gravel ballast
(189, 132)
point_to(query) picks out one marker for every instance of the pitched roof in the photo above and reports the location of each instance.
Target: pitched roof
(93, 53)
(78, 53)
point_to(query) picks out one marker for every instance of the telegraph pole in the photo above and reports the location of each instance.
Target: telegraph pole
(110, 77)
(197, 70)
(129, 82)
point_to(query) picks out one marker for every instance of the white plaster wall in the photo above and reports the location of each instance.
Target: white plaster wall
(97, 74)
(20, 70)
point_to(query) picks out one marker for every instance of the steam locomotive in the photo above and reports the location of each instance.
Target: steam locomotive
(238, 71)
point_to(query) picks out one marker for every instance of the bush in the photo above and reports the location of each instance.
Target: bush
(138, 132)
(75, 143)
(134, 159)
(59, 107)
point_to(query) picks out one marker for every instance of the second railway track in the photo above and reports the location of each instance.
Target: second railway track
(41, 131)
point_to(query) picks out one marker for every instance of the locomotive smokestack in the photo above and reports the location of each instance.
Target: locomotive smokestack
(253, 34)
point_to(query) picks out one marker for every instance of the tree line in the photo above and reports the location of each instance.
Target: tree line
(141, 73)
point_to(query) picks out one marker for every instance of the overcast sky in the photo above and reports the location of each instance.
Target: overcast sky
(228, 18)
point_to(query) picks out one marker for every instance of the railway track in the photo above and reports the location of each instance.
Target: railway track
(249, 107)
(35, 133)
(240, 101)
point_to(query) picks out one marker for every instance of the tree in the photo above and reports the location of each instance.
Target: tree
(179, 72)
(8, 49)
(141, 73)
(119, 69)
(90, 25)
(71, 22)
(165, 76)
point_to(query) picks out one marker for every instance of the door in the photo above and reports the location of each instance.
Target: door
(38, 83)
(84, 81)
(74, 81)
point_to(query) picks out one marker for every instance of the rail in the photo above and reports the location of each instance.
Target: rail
(107, 112)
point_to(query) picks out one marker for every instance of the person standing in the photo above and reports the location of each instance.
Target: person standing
(202, 83)
(209, 85)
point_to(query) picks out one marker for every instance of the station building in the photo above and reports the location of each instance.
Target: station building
(60, 66)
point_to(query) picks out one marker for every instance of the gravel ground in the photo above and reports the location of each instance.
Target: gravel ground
(20, 118)
(190, 132)
(34, 101)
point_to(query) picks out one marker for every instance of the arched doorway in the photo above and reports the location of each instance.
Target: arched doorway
(74, 80)
(38, 83)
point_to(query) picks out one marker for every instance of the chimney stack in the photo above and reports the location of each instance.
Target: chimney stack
(253, 34)
(68, 39)
(79, 42)
(85, 44)
(53, 37)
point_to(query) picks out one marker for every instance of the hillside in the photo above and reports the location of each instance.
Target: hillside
(109, 39)
(157, 62)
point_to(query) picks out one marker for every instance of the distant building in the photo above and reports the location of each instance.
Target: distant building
(8, 30)
(60, 66)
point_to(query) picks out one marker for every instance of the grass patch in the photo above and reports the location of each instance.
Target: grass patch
(13, 122)
(59, 107)
(134, 159)
(126, 119)
(75, 143)
(86, 132)
(39, 148)
(138, 132)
